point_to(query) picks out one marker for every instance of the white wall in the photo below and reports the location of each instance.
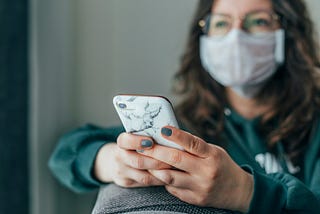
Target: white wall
(314, 7)
(51, 103)
(125, 46)
(50, 84)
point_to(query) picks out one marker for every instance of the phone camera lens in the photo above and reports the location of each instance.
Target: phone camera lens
(122, 105)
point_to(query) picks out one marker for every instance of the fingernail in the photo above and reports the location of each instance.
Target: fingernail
(146, 143)
(166, 131)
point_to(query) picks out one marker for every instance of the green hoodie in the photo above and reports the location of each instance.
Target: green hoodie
(279, 187)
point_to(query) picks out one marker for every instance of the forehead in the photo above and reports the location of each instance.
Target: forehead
(240, 7)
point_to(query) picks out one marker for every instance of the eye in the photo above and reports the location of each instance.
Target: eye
(221, 24)
(260, 22)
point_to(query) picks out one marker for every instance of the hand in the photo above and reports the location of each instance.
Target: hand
(121, 164)
(206, 174)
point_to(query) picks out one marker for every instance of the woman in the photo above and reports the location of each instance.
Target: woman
(250, 82)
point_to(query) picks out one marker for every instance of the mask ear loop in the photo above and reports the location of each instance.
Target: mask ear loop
(280, 46)
(280, 41)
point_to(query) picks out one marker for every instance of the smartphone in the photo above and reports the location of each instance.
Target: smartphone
(146, 115)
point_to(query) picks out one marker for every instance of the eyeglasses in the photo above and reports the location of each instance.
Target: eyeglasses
(254, 23)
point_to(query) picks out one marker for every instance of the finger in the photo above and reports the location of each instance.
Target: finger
(138, 161)
(142, 178)
(179, 159)
(126, 182)
(185, 195)
(134, 142)
(173, 178)
(189, 142)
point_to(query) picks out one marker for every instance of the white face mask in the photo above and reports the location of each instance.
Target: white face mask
(242, 61)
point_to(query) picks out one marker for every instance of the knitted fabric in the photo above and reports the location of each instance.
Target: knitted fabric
(151, 200)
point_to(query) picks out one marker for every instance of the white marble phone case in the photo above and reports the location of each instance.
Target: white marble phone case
(146, 115)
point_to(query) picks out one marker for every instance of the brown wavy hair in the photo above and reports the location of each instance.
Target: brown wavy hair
(293, 91)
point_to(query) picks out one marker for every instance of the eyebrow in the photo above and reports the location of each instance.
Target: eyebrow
(251, 11)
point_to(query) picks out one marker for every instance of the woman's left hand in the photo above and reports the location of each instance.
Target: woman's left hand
(205, 174)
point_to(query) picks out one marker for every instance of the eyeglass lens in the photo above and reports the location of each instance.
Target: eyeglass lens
(254, 23)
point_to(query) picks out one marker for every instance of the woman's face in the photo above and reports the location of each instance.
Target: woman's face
(239, 8)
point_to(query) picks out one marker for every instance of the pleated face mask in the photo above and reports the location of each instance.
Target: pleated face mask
(242, 61)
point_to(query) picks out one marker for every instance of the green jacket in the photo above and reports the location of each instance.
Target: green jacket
(279, 187)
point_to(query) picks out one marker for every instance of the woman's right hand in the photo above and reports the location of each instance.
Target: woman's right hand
(122, 164)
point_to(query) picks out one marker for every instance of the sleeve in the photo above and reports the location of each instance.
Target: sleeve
(315, 181)
(72, 160)
(282, 193)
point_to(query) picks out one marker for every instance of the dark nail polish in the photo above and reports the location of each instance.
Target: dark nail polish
(165, 131)
(146, 143)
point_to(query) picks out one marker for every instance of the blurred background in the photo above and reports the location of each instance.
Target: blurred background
(62, 62)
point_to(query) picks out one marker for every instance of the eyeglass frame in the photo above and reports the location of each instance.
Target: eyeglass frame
(203, 22)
